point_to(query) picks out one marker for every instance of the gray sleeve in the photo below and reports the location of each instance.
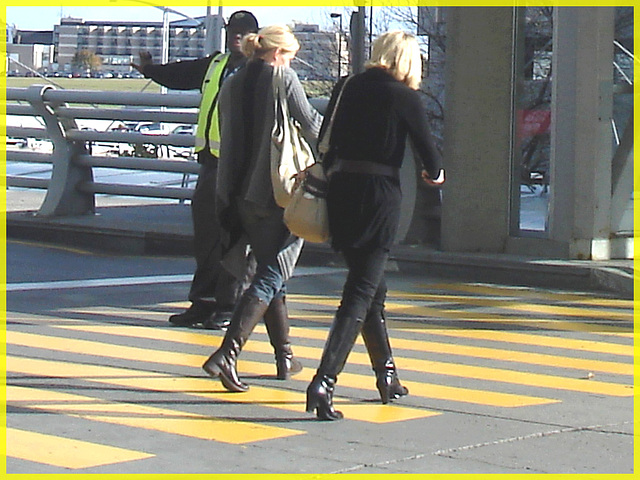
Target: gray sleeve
(300, 109)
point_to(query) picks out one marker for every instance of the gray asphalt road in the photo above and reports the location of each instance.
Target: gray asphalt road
(501, 379)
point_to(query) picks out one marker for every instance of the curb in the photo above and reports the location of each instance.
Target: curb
(479, 268)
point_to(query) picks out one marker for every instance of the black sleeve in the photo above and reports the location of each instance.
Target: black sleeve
(416, 119)
(327, 115)
(185, 75)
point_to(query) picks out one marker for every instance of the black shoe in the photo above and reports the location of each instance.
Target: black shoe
(196, 313)
(220, 320)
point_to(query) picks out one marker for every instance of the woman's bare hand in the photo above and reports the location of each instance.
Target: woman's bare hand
(439, 180)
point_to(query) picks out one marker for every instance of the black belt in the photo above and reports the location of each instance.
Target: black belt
(363, 166)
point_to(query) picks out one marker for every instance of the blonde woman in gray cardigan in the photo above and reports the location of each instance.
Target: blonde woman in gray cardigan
(245, 203)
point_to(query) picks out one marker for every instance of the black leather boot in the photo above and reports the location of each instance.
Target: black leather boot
(376, 339)
(276, 320)
(342, 336)
(320, 397)
(222, 363)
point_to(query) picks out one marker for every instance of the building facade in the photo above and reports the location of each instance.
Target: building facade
(319, 53)
(28, 51)
(118, 43)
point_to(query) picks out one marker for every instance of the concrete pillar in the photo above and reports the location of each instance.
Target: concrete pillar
(478, 128)
(581, 136)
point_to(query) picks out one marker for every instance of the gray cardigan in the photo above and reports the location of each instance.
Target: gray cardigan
(244, 164)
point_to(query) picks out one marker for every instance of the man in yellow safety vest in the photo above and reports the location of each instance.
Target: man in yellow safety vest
(214, 290)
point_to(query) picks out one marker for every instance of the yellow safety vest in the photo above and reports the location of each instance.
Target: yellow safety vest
(208, 130)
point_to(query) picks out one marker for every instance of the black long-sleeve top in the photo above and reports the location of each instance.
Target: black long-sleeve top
(376, 115)
(184, 75)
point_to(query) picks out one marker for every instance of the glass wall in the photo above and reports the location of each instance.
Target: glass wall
(532, 121)
(623, 60)
(533, 80)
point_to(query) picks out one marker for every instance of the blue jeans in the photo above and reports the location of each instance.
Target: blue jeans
(267, 236)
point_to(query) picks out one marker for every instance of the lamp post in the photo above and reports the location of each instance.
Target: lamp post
(165, 42)
(339, 15)
(214, 25)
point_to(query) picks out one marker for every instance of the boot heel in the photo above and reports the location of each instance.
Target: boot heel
(311, 405)
(211, 368)
(384, 389)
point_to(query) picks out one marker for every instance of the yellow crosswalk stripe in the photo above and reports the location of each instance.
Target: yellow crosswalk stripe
(525, 292)
(570, 311)
(481, 317)
(408, 309)
(207, 388)
(411, 309)
(525, 339)
(507, 354)
(546, 324)
(531, 308)
(465, 314)
(146, 417)
(323, 300)
(418, 365)
(245, 367)
(611, 314)
(65, 452)
(425, 346)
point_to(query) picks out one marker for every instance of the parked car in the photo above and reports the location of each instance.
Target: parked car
(186, 129)
(151, 128)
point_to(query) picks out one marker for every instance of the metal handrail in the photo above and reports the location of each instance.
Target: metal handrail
(72, 189)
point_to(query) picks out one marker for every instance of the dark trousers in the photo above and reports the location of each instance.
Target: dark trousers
(365, 288)
(211, 283)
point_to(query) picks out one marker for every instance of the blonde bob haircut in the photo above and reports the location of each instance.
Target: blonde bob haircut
(269, 38)
(399, 53)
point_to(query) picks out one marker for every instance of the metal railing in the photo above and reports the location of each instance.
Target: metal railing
(71, 189)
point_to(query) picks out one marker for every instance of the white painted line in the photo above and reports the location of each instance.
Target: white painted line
(97, 282)
(127, 281)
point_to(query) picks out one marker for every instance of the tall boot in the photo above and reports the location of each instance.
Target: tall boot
(222, 363)
(342, 336)
(376, 339)
(276, 319)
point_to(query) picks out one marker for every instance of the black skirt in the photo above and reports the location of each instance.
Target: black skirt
(364, 210)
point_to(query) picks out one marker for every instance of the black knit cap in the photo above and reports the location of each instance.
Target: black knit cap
(243, 20)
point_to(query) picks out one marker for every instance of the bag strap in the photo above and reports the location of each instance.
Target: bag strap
(279, 94)
(323, 145)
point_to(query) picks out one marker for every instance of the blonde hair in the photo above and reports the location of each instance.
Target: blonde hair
(269, 38)
(399, 53)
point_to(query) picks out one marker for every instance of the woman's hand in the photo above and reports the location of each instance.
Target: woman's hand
(299, 178)
(439, 180)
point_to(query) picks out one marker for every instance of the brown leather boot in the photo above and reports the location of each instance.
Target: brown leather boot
(276, 319)
(222, 363)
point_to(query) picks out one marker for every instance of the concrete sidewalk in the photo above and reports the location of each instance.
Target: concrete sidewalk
(148, 227)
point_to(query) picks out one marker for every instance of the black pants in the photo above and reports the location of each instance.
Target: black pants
(365, 288)
(211, 283)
